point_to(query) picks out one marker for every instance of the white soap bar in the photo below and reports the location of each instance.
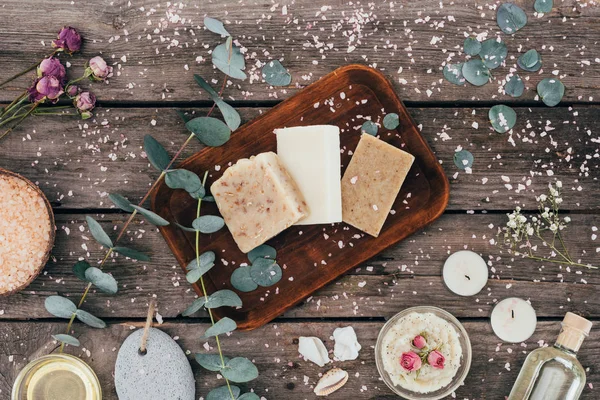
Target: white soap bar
(311, 154)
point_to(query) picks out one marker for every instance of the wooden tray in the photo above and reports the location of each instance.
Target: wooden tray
(311, 256)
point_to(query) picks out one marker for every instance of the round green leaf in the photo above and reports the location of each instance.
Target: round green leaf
(60, 307)
(230, 115)
(475, 72)
(511, 18)
(152, 217)
(223, 298)
(206, 87)
(265, 272)
(391, 121)
(514, 86)
(194, 307)
(239, 370)
(79, 269)
(131, 253)
(493, 53)
(216, 26)
(242, 281)
(103, 281)
(121, 202)
(222, 393)
(208, 223)
(222, 326)
(67, 339)
(228, 58)
(502, 118)
(543, 6)
(198, 267)
(551, 91)
(211, 362)
(530, 61)
(249, 396)
(264, 251)
(210, 131)
(89, 319)
(369, 127)
(276, 74)
(157, 155)
(453, 73)
(98, 233)
(463, 159)
(183, 179)
(472, 46)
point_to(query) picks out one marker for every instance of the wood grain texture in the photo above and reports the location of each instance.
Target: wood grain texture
(156, 47)
(77, 164)
(274, 350)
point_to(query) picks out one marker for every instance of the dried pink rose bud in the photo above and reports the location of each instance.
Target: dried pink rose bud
(68, 40)
(99, 69)
(46, 87)
(72, 90)
(419, 342)
(85, 101)
(436, 359)
(410, 361)
(52, 66)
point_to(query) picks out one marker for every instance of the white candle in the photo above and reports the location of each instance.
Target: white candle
(465, 273)
(513, 320)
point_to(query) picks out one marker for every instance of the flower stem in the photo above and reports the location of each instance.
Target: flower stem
(554, 261)
(17, 101)
(20, 120)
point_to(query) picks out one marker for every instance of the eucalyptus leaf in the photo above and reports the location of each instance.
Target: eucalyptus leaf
(103, 281)
(551, 91)
(67, 339)
(242, 281)
(510, 18)
(249, 396)
(152, 217)
(222, 393)
(185, 228)
(222, 326)
(206, 87)
(60, 306)
(211, 362)
(210, 131)
(194, 307)
(208, 223)
(223, 298)
(530, 61)
(502, 118)
(89, 319)
(209, 199)
(98, 233)
(228, 58)
(79, 269)
(216, 26)
(195, 270)
(265, 272)
(264, 251)
(475, 72)
(157, 155)
(463, 159)
(121, 202)
(183, 115)
(391, 121)
(453, 73)
(239, 370)
(472, 46)
(369, 127)
(493, 53)
(183, 179)
(230, 115)
(131, 253)
(543, 6)
(514, 86)
(276, 74)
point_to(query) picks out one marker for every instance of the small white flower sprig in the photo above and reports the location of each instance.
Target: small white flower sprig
(547, 227)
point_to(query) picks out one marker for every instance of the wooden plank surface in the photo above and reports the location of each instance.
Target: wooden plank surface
(77, 164)
(274, 349)
(156, 47)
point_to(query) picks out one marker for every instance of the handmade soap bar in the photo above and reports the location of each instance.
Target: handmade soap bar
(311, 154)
(258, 199)
(372, 182)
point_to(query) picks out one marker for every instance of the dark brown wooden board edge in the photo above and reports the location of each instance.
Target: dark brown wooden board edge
(159, 203)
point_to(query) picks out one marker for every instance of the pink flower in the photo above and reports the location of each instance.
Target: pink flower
(51, 66)
(410, 361)
(72, 90)
(419, 342)
(436, 359)
(46, 87)
(99, 69)
(68, 40)
(85, 101)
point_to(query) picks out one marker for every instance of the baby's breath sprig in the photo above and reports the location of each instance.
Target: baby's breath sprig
(547, 226)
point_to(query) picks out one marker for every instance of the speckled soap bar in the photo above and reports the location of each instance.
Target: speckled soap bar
(371, 183)
(258, 199)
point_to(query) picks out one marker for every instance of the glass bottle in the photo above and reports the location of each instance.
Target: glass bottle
(554, 373)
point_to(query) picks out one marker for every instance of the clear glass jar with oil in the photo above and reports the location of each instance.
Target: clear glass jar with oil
(57, 377)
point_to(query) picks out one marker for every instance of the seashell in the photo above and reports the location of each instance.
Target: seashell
(346, 344)
(313, 349)
(331, 381)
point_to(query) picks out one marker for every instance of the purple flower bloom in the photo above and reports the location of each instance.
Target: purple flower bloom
(72, 90)
(46, 87)
(68, 40)
(99, 69)
(85, 101)
(52, 66)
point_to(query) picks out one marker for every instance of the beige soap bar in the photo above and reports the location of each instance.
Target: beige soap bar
(371, 183)
(258, 199)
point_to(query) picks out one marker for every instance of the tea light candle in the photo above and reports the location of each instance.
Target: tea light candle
(465, 273)
(513, 320)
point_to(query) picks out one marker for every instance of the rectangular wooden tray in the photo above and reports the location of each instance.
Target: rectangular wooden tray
(311, 256)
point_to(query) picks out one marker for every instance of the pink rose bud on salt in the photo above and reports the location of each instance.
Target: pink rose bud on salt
(410, 361)
(436, 359)
(419, 342)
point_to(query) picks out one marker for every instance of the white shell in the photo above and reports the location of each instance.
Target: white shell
(346, 344)
(313, 349)
(330, 382)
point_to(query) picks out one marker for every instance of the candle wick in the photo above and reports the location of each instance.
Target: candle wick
(513, 313)
(468, 277)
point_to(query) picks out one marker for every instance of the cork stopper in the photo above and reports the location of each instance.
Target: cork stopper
(576, 322)
(574, 331)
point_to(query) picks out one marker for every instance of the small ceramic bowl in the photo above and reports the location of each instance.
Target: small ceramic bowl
(463, 369)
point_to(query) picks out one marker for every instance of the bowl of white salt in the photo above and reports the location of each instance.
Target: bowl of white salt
(26, 232)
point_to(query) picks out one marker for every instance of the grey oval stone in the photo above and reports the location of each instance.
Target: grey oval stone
(163, 373)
